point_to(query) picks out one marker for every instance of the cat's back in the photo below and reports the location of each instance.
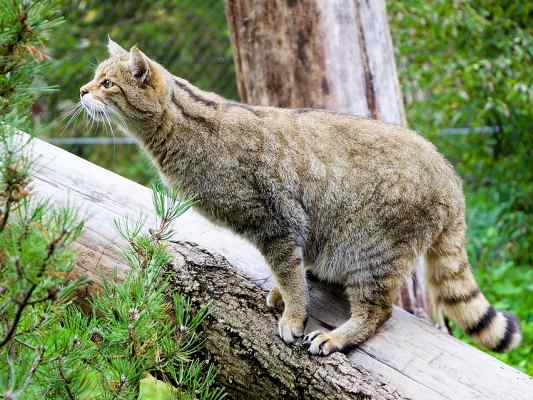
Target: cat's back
(348, 144)
(338, 152)
(374, 173)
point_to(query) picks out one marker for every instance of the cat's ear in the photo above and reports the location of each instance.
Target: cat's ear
(114, 49)
(139, 66)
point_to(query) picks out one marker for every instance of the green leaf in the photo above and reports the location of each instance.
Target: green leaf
(154, 389)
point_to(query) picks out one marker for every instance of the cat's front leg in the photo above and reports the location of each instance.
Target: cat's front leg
(285, 259)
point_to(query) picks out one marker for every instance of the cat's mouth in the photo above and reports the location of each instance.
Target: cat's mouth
(102, 114)
(95, 109)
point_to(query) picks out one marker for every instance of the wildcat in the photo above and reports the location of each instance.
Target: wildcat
(356, 200)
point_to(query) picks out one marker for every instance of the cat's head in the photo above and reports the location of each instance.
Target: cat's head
(129, 85)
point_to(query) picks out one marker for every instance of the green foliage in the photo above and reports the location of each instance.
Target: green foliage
(153, 389)
(34, 261)
(24, 27)
(168, 206)
(33, 236)
(132, 328)
(467, 63)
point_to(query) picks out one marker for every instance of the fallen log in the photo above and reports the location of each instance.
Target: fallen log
(407, 358)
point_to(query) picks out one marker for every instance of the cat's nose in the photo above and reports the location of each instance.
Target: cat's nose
(83, 91)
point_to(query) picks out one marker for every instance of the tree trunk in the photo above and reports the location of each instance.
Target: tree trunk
(334, 54)
(407, 358)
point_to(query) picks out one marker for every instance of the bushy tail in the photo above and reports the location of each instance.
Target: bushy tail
(456, 294)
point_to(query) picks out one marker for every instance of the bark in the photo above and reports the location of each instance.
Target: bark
(334, 54)
(241, 337)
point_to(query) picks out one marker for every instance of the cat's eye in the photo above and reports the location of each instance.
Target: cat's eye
(107, 83)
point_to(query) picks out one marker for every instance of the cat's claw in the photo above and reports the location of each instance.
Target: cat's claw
(323, 343)
(274, 299)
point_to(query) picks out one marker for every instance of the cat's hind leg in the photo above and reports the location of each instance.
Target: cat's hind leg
(371, 296)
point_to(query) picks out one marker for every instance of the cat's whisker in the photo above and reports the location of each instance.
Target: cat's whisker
(121, 121)
(70, 117)
(105, 119)
(118, 119)
(74, 116)
(66, 117)
(109, 124)
(71, 111)
(90, 112)
(98, 114)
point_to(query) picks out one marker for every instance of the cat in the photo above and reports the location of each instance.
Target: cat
(356, 199)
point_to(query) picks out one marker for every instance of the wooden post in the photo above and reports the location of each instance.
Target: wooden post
(334, 54)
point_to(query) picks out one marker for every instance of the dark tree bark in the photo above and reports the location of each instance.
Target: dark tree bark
(242, 337)
(334, 54)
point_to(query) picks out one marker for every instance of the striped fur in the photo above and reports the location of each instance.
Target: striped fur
(355, 200)
(457, 295)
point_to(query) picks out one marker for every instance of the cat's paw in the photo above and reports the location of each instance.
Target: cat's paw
(291, 328)
(274, 299)
(324, 343)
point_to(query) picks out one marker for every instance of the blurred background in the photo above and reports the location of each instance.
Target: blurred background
(465, 68)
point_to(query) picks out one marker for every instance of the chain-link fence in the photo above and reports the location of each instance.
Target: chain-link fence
(200, 51)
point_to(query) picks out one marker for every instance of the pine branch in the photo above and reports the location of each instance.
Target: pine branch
(18, 314)
(11, 365)
(25, 302)
(7, 210)
(66, 381)
(121, 386)
(34, 365)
